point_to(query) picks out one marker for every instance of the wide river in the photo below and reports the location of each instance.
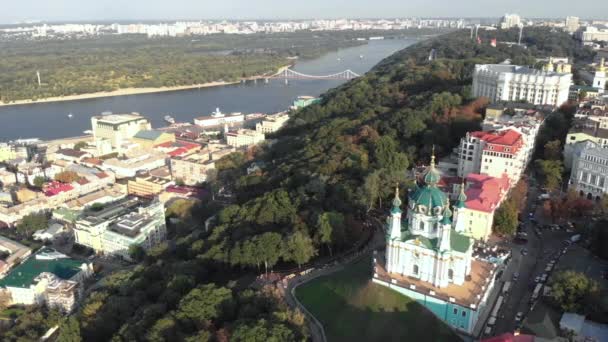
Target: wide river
(50, 120)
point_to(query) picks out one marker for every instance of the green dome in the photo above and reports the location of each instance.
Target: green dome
(429, 196)
(447, 215)
(432, 176)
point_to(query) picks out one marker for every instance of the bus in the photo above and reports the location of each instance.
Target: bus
(497, 307)
(536, 292)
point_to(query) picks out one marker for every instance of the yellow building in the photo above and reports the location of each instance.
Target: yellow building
(244, 137)
(147, 139)
(6, 152)
(147, 186)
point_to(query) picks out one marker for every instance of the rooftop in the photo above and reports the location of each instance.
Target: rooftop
(468, 294)
(484, 193)
(517, 69)
(119, 118)
(70, 152)
(45, 260)
(148, 134)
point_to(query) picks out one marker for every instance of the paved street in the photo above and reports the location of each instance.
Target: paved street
(541, 249)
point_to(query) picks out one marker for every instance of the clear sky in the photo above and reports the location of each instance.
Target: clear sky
(53, 10)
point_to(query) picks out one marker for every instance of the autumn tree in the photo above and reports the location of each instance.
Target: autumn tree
(67, 177)
(301, 248)
(573, 290)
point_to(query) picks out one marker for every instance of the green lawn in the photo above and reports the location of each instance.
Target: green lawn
(352, 308)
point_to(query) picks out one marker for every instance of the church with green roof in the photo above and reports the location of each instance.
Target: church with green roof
(426, 245)
(429, 255)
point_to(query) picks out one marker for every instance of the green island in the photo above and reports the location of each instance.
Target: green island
(352, 308)
(334, 162)
(110, 63)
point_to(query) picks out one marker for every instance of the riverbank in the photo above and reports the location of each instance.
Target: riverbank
(128, 91)
(119, 92)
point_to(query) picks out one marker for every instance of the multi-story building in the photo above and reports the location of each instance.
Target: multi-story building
(478, 200)
(589, 34)
(572, 24)
(192, 169)
(147, 186)
(47, 277)
(589, 174)
(119, 225)
(493, 153)
(244, 137)
(510, 20)
(428, 259)
(118, 128)
(503, 82)
(16, 252)
(272, 123)
(599, 79)
(128, 166)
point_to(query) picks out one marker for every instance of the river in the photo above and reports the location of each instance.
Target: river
(50, 120)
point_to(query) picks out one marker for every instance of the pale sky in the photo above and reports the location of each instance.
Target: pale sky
(64, 10)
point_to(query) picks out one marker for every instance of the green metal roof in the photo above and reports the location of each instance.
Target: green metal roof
(148, 135)
(23, 275)
(459, 242)
(429, 196)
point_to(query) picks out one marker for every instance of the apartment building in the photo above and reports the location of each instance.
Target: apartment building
(505, 82)
(192, 169)
(131, 221)
(244, 137)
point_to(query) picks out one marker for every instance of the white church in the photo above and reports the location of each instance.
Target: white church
(429, 256)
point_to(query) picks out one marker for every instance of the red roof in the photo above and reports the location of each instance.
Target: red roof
(499, 141)
(54, 188)
(82, 181)
(484, 193)
(178, 147)
(189, 191)
(101, 175)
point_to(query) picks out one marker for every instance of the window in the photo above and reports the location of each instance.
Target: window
(421, 225)
(455, 311)
(450, 274)
(415, 269)
(464, 313)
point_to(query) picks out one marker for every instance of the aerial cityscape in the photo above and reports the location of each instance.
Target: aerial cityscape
(347, 176)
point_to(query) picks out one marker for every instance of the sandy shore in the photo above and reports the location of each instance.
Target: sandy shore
(119, 92)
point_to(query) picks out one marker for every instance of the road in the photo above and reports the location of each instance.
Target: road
(541, 249)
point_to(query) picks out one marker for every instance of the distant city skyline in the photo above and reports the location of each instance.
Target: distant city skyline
(74, 10)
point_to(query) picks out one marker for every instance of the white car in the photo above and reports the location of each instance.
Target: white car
(519, 316)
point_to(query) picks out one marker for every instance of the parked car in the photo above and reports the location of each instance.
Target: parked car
(519, 316)
(515, 276)
(537, 279)
(524, 252)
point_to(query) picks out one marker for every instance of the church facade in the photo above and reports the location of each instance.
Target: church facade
(429, 255)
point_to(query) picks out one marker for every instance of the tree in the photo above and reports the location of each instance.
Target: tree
(262, 331)
(324, 231)
(32, 222)
(505, 219)
(39, 182)
(67, 177)
(205, 303)
(553, 150)
(582, 95)
(137, 252)
(371, 188)
(573, 290)
(301, 248)
(551, 173)
(80, 145)
(69, 331)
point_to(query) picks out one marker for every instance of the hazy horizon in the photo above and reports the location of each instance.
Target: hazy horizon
(154, 10)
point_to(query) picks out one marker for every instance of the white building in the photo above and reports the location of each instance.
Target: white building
(572, 24)
(47, 272)
(589, 174)
(493, 154)
(599, 79)
(192, 169)
(503, 82)
(590, 34)
(121, 224)
(118, 128)
(510, 20)
(135, 162)
(244, 137)
(272, 123)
